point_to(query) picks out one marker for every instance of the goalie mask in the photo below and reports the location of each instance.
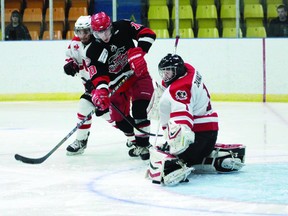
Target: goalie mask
(171, 67)
(101, 26)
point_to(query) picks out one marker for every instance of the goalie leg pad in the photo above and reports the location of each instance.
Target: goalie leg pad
(175, 172)
(224, 158)
(237, 150)
(156, 165)
(166, 169)
(235, 161)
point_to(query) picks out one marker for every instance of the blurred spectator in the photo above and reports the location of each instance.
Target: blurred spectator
(16, 30)
(278, 27)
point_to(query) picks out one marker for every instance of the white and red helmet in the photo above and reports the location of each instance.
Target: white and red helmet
(83, 22)
(100, 22)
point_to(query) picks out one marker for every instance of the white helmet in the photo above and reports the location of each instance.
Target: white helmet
(83, 22)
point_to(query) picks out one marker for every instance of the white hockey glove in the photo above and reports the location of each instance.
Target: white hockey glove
(179, 137)
(153, 107)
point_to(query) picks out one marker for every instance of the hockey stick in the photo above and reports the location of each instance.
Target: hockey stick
(42, 159)
(132, 123)
(125, 118)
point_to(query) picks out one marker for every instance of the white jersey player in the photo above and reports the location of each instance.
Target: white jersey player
(75, 53)
(75, 64)
(189, 122)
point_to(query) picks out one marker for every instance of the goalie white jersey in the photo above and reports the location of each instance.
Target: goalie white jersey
(187, 101)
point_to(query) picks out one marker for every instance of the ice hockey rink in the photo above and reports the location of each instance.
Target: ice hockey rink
(106, 181)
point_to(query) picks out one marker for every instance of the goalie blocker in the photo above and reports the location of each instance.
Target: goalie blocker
(167, 169)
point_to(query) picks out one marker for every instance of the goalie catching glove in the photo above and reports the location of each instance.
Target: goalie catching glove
(100, 98)
(178, 137)
(71, 68)
(136, 61)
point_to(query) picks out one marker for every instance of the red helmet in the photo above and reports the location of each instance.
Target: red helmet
(100, 21)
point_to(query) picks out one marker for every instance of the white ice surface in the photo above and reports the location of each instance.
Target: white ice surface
(106, 181)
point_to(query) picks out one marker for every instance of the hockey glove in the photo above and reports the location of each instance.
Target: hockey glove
(100, 98)
(71, 68)
(178, 137)
(137, 61)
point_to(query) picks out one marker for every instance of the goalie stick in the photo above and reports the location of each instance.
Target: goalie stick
(158, 126)
(42, 159)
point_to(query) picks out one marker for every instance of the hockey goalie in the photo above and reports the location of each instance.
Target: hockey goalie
(190, 127)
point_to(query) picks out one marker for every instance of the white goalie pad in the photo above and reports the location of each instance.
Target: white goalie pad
(178, 137)
(223, 159)
(153, 107)
(177, 176)
(159, 161)
(156, 165)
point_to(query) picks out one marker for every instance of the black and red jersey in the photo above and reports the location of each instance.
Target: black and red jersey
(108, 62)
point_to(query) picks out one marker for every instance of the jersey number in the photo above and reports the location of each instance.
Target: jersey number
(92, 70)
(135, 25)
(208, 95)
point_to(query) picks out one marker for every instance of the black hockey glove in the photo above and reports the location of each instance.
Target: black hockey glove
(71, 68)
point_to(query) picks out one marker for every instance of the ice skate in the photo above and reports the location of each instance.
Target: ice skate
(77, 147)
(143, 152)
(130, 141)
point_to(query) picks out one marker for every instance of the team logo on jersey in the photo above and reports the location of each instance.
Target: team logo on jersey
(76, 47)
(104, 55)
(118, 61)
(181, 95)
